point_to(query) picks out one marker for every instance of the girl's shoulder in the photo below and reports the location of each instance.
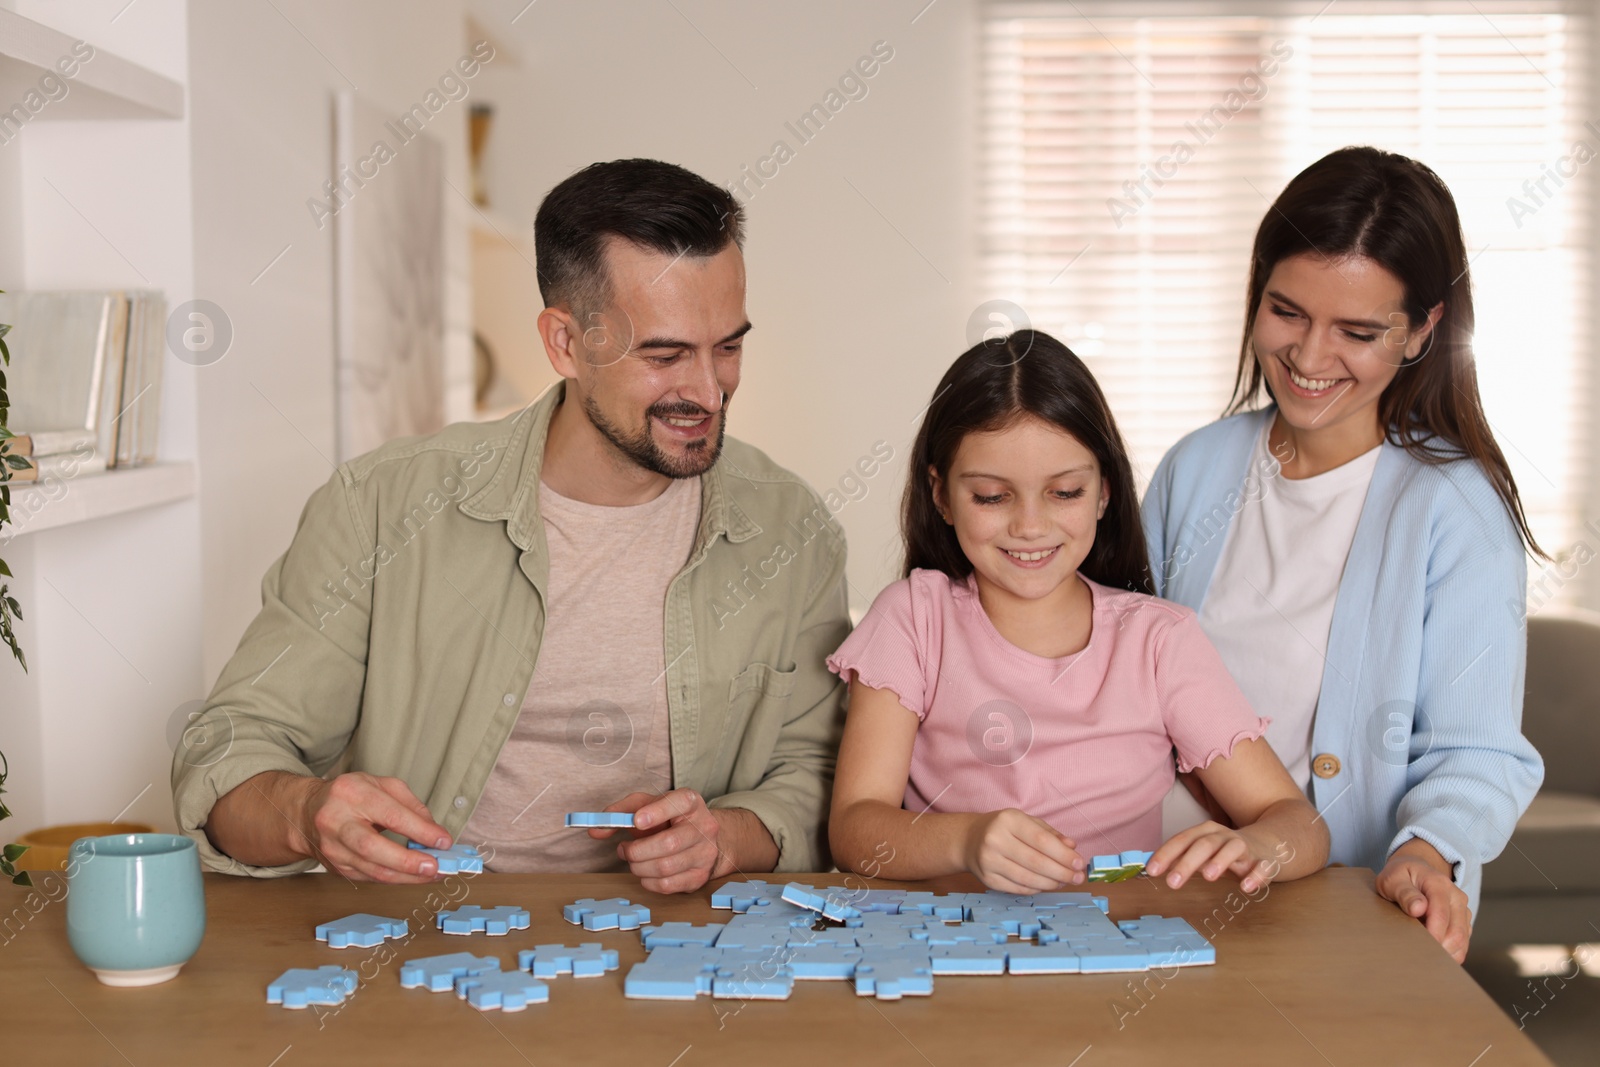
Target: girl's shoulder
(924, 591)
(1137, 615)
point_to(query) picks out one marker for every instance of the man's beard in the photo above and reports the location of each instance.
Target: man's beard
(642, 449)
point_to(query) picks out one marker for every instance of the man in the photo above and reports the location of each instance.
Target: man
(598, 602)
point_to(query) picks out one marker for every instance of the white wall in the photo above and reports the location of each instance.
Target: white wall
(262, 85)
(112, 607)
(853, 324)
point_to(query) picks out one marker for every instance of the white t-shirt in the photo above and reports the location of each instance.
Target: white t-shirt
(594, 723)
(1271, 599)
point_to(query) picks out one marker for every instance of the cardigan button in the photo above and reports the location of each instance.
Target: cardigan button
(460, 802)
(509, 699)
(1325, 765)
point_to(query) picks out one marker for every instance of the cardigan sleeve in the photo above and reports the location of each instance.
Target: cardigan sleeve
(1153, 516)
(1470, 773)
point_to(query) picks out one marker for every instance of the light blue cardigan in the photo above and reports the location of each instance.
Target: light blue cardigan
(1422, 689)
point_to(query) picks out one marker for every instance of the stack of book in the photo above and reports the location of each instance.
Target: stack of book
(85, 380)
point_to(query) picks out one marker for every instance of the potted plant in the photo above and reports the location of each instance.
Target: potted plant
(9, 608)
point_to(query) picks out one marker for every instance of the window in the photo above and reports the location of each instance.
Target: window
(1127, 161)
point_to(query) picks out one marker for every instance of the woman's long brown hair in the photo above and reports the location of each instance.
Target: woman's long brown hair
(1397, 212)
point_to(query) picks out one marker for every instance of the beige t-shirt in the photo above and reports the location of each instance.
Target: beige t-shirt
(594, 725)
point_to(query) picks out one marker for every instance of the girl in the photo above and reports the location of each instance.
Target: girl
(1355, 546)
(1014, 701)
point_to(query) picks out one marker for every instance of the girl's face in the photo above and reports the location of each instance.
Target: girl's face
(1330, 335)
(1024, 501)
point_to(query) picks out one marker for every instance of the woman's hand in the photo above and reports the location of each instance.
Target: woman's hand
(1213, 850)
(1013, 852)
(1419, 882)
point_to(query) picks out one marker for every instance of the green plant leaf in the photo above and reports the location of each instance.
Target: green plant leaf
(17, 463)
(14, 851)
(5, 570)
(22, 879)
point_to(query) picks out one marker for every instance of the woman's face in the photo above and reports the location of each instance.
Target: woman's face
(1330, 335)
(1024, 502)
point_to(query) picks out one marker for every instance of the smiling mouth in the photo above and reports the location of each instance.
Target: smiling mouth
(1310, 385)
(1035, 556)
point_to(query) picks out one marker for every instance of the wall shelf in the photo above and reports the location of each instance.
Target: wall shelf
(105, 87)
(96, 496)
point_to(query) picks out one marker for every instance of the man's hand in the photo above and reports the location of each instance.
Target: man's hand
(277, 818)
(1419, 882)
(679, 843)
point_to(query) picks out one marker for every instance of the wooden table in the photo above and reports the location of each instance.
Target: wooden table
(1318, 971)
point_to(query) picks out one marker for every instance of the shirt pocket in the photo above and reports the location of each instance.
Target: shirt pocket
(758, 707)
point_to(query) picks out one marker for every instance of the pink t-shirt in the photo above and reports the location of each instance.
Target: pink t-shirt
(1084, 742)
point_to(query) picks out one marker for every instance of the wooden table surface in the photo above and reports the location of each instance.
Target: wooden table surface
(1318, 971)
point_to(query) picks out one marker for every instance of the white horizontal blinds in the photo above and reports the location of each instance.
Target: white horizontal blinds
(1076, 106)
(1489, 100)
(1124, 143)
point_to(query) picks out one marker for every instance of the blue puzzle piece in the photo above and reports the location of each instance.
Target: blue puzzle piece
(300, 987)
(1015, 920)
(673, 974)
(1170, 942)
(754, 935)
(588, 960)
(457, 859)
(830, 902)
(1107, 955)
(472, 919)
(680, 934)
(439, 973)
(503, 990)
(818, 962)
(778, 911)
(1136, 858)
(968, 958)
(741, 895)
(360, 931)
(600, 819)
(1058, 958)
(752, 976)
(943, 933)
(613, 913)
(884, 900)
(890, 974)
(949, 906)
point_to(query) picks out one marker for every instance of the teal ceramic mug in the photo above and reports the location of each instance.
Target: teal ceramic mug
(135, 908)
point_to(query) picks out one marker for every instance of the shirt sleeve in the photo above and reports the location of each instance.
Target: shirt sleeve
(886, 651)
(1205, 712)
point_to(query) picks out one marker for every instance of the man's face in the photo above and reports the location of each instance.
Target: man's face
(656, 368)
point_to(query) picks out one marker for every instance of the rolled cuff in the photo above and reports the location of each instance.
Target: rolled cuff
(196, 791)
(797, 849)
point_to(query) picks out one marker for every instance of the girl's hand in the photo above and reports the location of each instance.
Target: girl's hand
(1213, 849)
(1424, 889)
(1013, 852)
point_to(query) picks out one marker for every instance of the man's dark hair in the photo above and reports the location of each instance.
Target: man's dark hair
(656, 205)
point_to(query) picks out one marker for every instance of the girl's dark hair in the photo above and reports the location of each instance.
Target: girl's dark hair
(1395, 211)
(994, 384)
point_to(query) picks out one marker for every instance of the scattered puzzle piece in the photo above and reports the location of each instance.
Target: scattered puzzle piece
(588, 960)
(472, 919)
(360, 931)
(830, 904)
(741, 895)
(600, 819)
(503, 990)
(613, 913)
(457, 859)
(300, 987)
(439, 973)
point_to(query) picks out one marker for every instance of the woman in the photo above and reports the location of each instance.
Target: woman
(1355, 547)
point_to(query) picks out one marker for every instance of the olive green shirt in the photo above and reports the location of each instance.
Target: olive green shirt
(399, 632)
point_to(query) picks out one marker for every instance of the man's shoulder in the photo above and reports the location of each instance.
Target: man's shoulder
(442, 451)
(744, 465)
